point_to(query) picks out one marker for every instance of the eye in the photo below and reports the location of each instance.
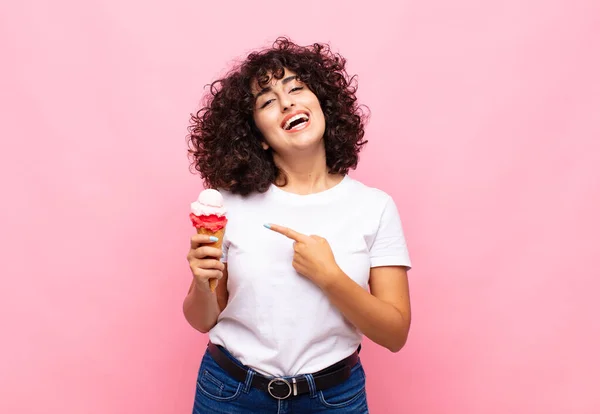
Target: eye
(297, 88)
(266, 103)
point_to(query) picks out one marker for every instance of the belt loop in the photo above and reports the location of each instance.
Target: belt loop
(311, 385)
(248, 382)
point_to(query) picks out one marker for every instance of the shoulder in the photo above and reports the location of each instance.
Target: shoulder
(232, 200)
(365, 194)
(228, 196)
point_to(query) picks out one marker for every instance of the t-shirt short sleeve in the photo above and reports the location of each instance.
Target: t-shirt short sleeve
(389, 247)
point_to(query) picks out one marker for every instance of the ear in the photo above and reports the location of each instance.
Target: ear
(265, 145)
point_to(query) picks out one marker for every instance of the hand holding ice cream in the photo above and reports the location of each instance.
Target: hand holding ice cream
(208, 215)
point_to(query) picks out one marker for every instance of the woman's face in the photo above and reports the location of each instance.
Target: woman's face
(289, 115)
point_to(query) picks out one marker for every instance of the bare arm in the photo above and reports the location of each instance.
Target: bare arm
(384, 314)
(201, 306)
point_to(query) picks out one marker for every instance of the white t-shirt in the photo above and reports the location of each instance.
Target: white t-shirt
(277, 321)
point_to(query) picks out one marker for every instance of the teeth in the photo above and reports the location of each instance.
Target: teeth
(294, 118)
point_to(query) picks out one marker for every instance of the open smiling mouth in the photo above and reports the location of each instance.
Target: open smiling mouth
(296, 123)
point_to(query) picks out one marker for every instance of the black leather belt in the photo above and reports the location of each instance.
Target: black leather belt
(282, 388)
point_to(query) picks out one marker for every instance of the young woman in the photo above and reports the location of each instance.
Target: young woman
(311, 260)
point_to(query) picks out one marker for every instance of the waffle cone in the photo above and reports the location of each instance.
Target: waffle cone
(218, 234)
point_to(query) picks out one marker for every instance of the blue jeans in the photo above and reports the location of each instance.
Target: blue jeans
(218, 393)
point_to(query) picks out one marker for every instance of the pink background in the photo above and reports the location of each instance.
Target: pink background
(485, 129)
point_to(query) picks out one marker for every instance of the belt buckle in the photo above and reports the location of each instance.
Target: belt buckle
(279, 381)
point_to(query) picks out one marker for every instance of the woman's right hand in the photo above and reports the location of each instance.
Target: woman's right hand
(204, 261)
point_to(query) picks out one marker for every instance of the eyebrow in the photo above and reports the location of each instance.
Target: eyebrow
(268, 88)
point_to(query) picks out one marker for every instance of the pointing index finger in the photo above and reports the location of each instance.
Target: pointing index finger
(287, 232)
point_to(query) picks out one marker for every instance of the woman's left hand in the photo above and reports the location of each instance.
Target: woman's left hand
(313, 257)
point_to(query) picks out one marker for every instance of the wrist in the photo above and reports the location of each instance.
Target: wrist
(201, 288)
(332, 278)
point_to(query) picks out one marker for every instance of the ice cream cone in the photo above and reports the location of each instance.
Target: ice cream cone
(209, 217)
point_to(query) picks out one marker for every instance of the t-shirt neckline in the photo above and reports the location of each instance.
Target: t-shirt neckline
(321, 195)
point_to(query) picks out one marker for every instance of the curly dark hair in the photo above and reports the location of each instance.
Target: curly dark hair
(224, 142)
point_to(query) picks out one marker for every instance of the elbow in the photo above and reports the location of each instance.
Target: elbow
(396, 346)
(398, 341)
(197, 325)
(194, 321)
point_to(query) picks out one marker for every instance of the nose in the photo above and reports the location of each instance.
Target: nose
(286, 103)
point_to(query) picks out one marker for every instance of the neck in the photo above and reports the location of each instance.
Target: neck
(306, 174)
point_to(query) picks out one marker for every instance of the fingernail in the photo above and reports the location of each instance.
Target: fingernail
(267, 225)
(214, 239)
